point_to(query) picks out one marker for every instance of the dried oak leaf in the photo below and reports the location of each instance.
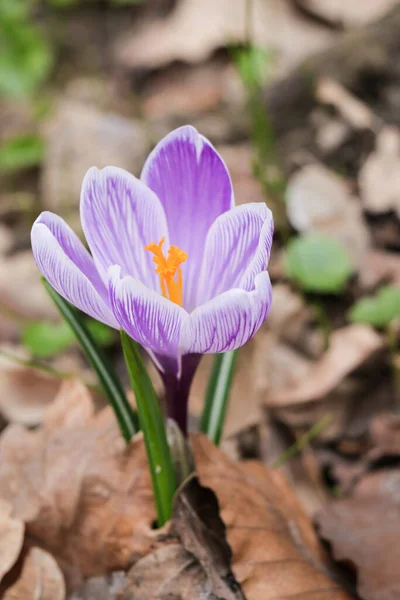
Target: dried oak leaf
(364, 529)
(275, 553)
(25, 392)
(41, 579)
(379, 177)
(198, 565)
(83, 495)
(11, 538)
(349, 348)
(196, 28)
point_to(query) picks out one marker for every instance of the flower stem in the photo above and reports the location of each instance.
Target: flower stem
(177, 391)
(217, 394)
(152, 425)
(126, 416)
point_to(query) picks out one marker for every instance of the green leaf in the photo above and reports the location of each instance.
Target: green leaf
(14, 10)
(378, 310)
(101, 333)
(318, 263)
(25, 58)
(44, 339)
(126, 416)
(254, 66)
(152, 425)
(21, 152)
(217, 394)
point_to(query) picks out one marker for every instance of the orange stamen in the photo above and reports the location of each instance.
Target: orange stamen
(167, 268)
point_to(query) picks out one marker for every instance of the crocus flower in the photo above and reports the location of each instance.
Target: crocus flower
(173, 262)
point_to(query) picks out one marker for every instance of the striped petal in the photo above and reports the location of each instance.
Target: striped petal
(238, 246)
(227, 321)
(69, 268)
(147, 317)
(120, 216)
(193, 185)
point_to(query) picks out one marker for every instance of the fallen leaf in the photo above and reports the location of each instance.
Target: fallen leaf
(351, 109)
(380, 266)
(79, 136)
(184, 92)
(198, 564)
(11, 538)
(41, 579)
(189, 34)
(19, 273)
(83, 495)
(364, 529)
(379, 177)
(25, 392)
(105, 587)
(349, 348)
(348, 14)
(275, 551)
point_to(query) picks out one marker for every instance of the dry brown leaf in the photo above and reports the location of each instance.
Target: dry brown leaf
(196, 28)
(104, 587)
(41, 579)
(275, 551)
(380, 266)
(348, 13)
(379, 177)
(79, 136)
(276, 358)
(82, 494)
(25, 393)
(364, 529)
(19, 273)
(349, 348)
(11, 538)
(353, 110)
(198, 563)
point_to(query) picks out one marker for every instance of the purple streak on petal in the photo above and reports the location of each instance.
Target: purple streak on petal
(147, 317)
(232, 244)
(261, 257)
(120, 216)
(227, 321)
(194, 186)
(74, 249)
(66, 277)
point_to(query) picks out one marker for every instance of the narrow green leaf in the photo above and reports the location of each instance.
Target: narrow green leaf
(217, 394)
(126, 416)
(302, 441)
(152, 425)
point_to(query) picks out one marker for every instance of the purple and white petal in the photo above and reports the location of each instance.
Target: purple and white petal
(261, 257)
(146, 316)
(72, 280)
(120, 216)
(73, 248)
(193, 184)
(234, 243)
(227, 321)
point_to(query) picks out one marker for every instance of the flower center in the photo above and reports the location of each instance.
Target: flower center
(167, 268)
